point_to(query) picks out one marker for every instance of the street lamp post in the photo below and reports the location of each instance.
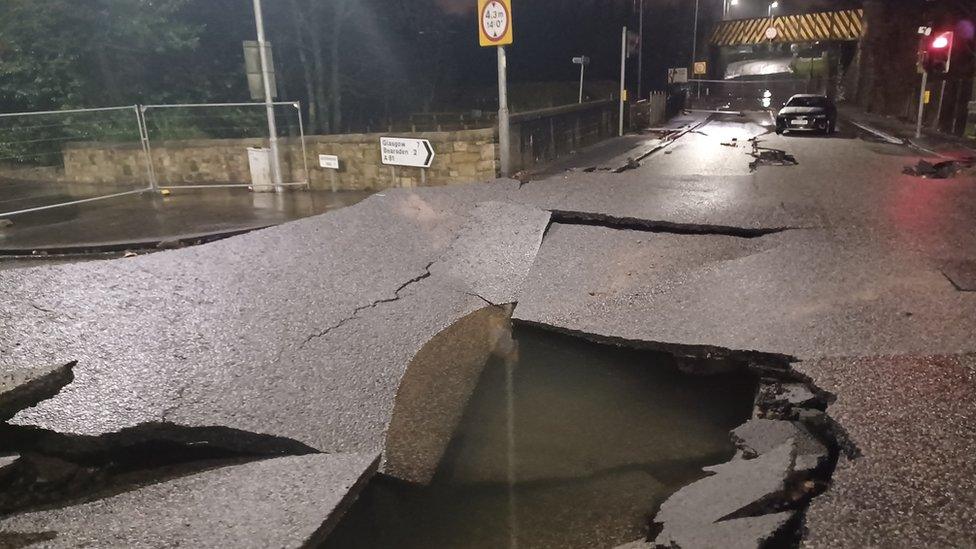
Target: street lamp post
(268, 99)
(694, 40)
(640, 55)
(772, 6)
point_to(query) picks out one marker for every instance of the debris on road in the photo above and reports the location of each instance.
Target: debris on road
(733, 143)
(765, 156)
(4, 223)
(940, 170)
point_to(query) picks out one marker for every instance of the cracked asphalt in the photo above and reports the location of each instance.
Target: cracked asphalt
(304, 331)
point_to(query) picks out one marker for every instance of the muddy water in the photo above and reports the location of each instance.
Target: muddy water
(564, 443)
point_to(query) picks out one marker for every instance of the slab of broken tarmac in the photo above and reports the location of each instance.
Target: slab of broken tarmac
(304, 331)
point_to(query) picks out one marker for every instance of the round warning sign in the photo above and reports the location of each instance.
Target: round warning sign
(496, 22)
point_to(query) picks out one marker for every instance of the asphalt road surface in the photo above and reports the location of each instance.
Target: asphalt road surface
(835, 259)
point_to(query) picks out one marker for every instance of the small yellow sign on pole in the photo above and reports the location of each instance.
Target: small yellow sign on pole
(928, 96)
(495, 23)
(701, 68)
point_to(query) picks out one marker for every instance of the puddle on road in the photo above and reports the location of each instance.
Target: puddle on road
(564, 443)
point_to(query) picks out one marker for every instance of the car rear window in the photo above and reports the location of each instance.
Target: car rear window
(808, 102)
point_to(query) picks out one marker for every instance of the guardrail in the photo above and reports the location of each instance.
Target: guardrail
(544, 135)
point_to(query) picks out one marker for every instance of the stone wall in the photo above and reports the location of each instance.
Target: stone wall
(461, 156)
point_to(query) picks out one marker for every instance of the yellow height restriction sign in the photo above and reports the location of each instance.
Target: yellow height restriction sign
(701, 68)
(495, 22)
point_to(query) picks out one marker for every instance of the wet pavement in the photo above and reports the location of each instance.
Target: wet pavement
(912, 421)
(306, 331)
(143, 220)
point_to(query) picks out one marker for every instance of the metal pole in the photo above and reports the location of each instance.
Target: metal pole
(301, 132)
(640, 55)
(694, 47)
(268, 100)
(938, 112)
(144, 137)
(694, 40)
(921, 105)
(504, 127)
(582, 69)
(623, 78)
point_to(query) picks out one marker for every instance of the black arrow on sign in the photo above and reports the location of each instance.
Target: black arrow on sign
(430, 154)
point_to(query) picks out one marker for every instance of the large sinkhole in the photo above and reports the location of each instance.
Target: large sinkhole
(562, 443)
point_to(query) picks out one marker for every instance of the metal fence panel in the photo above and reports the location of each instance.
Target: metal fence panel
(200, 146)
(54, 159)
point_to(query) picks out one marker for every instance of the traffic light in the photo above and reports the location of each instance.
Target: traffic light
(938, 52)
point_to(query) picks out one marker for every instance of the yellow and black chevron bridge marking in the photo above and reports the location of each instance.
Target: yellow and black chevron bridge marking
(845, 25)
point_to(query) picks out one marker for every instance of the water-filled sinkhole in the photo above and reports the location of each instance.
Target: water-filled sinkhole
(563, 443)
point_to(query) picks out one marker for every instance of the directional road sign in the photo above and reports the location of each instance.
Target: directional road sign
(678, 75)
(401, 151)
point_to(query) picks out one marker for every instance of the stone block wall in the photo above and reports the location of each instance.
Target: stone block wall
(461, 156)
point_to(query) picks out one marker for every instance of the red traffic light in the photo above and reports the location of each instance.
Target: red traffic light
(938, 53)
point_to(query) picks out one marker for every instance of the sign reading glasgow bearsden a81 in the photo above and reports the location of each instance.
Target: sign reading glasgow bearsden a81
(401, 151)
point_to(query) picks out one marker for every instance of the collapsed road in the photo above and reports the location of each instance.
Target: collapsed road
(296, 355)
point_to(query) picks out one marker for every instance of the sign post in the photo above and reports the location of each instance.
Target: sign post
(495, 29)
(582, 61)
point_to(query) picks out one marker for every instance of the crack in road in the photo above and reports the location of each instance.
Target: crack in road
(396, 297)
(564, 217)
(472, 294)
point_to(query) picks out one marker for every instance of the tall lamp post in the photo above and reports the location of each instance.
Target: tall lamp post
(772, 6)
(694, 40)
(640, 55)
(268, 100)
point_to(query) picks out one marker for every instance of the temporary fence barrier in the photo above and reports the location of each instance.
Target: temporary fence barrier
(43, 163)
(53, 159)
(205, 145)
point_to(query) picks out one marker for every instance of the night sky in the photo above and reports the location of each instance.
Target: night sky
(548, 33)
